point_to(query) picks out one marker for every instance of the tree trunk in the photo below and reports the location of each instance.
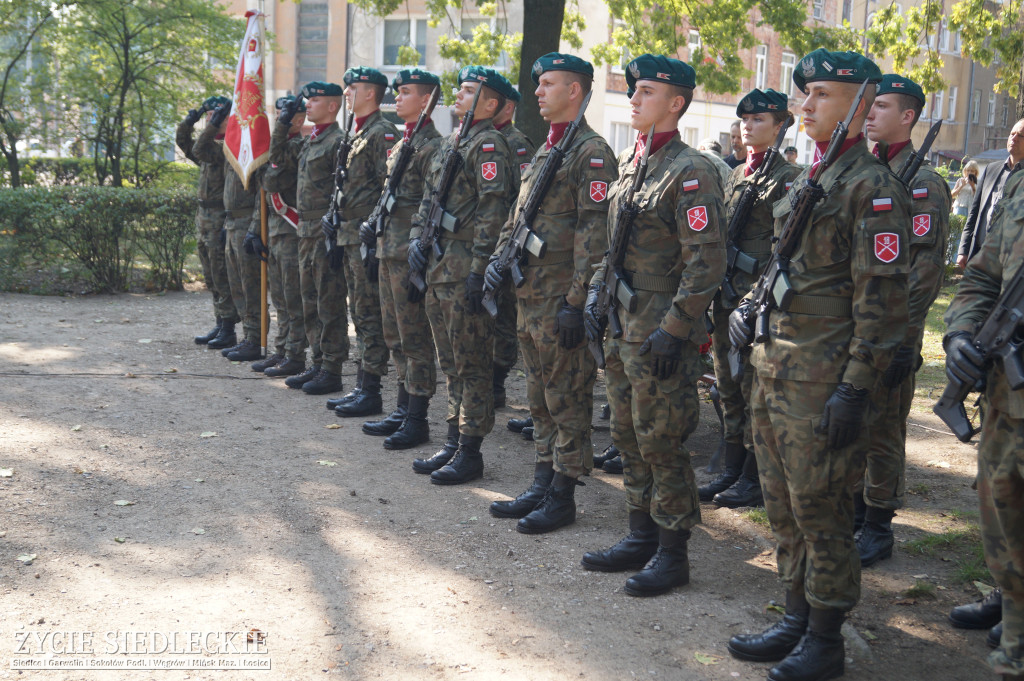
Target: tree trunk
(13, 167)
(542, 31)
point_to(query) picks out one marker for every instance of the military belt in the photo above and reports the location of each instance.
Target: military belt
(241, 212)
(550, 258)
(653, 282)
(821, 306)
(212, 205)
(313, 213)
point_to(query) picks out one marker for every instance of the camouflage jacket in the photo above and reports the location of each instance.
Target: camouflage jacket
(929, 233)
(315, 179)
(755, 237)
(209, 156)
(366, 172)
(572, 219)
(854, 252)
(987, 274)
(238, 201)
(480, 197)
(522, 150)
(394, 245)
(676, 254)
(280, 178)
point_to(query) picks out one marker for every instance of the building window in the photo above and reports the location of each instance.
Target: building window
(621, 137)
(975, 106)
(940, 100)
(991, 108)
(952, 103)
(761, 67)
(311, 47)
(819, 9)
(847, 10)
(786, 80)
(625, 57)
(400, 33)
(944, 36)
(693, 43)
(690, 136)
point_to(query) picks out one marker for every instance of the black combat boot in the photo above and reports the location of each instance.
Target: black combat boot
(606, 412)
(557, 508)
(778, 640)
(323, 383)
(613, 465)
(746, 491)
(984, 614)
(336, 402)
(367, 403)
(299, 380)
(860, 509)
(443, 456)
(466, 465)
(286, 367)
(735, 455)
(210, 335)
(264, 364)
(414, 430)
(876, 538)
(994, 636)
(517, 425)
(543, 472)
(821, 652)
(609, 453)
(632, 551)
(498, 385)
(246, 351)
(669, 568)
(225, 337)
(527, 433)
(393, 421)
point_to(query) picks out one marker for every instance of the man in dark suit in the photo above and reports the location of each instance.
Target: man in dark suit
(990, 190)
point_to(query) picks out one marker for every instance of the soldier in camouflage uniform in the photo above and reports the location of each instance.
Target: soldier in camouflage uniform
(210, 222)
(405, 324)
(1001, 447)
(289, 356)
(323, 291)
(762, 115)
(560, 371)
(373, 137)
(896, 110)
(675, 260)
(479, 199)
(825, 354)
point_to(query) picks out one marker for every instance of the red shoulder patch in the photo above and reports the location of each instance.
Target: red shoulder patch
(489, 170)
(598, 190)
(697, 218)
(887, 246)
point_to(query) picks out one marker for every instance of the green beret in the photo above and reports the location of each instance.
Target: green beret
(414, 77)
(843, 67)
(281, 101)
(762, 101)
(364, 74)
(558, 61)
(320, 89)
(662, 69)
(891, 83)
(212, 103)
(490, 78)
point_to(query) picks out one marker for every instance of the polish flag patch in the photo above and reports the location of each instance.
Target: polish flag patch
(788, 186)
(488, 147)
(880, 205)
(390, 137)
(597, 163)
(922, 224)
(691, 185)
(523, 167)
(521, 151)
(489, 170)
(598, 190)
(887, 246)
(697, 217)
(920, 193)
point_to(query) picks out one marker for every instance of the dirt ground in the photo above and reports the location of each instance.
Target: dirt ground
(164, 489)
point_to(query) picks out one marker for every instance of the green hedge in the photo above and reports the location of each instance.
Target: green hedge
(102, 229)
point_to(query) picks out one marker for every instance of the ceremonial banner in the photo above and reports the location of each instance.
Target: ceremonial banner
(247, 140)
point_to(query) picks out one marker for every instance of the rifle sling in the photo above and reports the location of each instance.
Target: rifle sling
(821, 306)
(550, 258)
(653, 282)
(314, 213)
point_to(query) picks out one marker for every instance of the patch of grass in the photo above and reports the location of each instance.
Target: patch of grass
(930, 544)
(971, 567)
(962, 515)
(931, 377)
(920, 489)
(758, 516)
(920, 590)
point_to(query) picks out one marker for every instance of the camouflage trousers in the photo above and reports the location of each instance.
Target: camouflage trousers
(464, 347)
(808, 490)
(506, 346)
(650, 419)
(323, 305)
(212, 256)
(1001, 497)
(244, 278)
(885, 476)
(559, 388)
(406, 331)
(364, 306)
(735, 395)
(286, 294)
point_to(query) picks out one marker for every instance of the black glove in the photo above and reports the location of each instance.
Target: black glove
(223, 236)
(219, 114)
(665, 350)
(964, 363)
(368, 234)
(591, 322)
(253, 245)
(334, 256)
(289, 110)
(193, 117)
(569, 325)
(740, 334)
(844, 415)
(417, 257)
(475, 293)
(492, 276)
(413, 294)
(901, 366)
(328, 227)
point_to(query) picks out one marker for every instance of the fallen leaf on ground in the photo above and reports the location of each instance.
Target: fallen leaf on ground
(325, 462)
(707, 659)
(27, 558)
(775, 608)
(170, 371)
(119, 540)
(6, 472)
(984, 588)
(208, 433)
(75, 429)
(868, 635)
(333, 426)
(197, 530)
(145, 340)
(124, 502)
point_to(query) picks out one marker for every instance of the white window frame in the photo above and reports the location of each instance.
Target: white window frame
(786, 77)
(940, 102)
(953, 91)
(413, 21)
(991, 109)
(818, 9)
(760, 66)
(975, 107)
(944, 36)
(693, 42)
(620, 136)
(691, 136)
(624, 58)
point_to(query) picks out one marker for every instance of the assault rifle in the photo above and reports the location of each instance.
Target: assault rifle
(998, 337)
(735, 258)
(616, 290)
(387, 197)
(916, 158)
(773, 289)
(329, 222)
(523, 239)
(437, 216)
